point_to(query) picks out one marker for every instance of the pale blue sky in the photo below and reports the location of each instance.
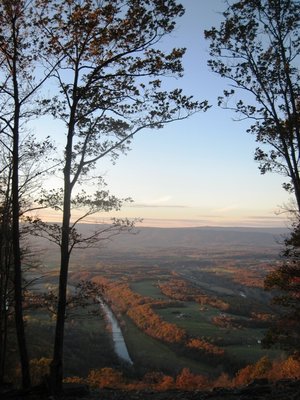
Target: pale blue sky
(199, 171)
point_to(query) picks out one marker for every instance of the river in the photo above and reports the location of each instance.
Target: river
(117, 335)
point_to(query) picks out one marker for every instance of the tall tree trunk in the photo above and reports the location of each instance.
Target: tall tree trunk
(56, 368)
(2, 311)
(18, 295)
(5, 272)
(5, 258)
(18, 292)
(297, 193)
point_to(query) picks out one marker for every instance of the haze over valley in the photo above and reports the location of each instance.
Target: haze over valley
(205, 282)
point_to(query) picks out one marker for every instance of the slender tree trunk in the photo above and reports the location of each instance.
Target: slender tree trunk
(4, 279)
(6, 264)
(2, 310)
(3, 355)
(18, 292)
(56, 369)
(297, 194)
(2, 298)
(18, 295)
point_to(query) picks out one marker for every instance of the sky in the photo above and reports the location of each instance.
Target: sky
(200, 171)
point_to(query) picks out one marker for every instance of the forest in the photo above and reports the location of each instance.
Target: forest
(209, 307)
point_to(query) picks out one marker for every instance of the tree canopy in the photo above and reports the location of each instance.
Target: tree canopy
(109, 72)
(256, 48)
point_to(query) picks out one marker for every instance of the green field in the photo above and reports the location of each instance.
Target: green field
(88, 344)
(148, 288)
(151, 354)
(250, 354)
(190, 318)
(241, 344)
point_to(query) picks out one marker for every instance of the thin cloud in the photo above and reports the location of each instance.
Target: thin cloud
(160, 202)
(226, 209)
(150, 205)
(162, 199)
(173, 223)
(265, 217)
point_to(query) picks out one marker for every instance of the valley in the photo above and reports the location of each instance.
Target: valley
(193, 301)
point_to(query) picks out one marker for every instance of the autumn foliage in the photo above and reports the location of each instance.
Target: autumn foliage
(149, 322)
(141, 310)
(187, 380)
(264, 368)
(285, 281)
(200, 344)
(179, 289)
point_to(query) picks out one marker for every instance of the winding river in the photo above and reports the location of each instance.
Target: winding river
(117, 335)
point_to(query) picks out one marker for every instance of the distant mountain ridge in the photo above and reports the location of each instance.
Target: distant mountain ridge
(149, 237)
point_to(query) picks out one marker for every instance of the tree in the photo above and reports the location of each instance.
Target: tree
(258, 370)
(285, 280)
(31, 155)
(110, 88)
(256, 48)
(14, 64)
(6, 289)
(19, 50)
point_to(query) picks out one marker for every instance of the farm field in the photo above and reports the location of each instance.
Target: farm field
(242, 344)
(210, 297)
(151, 354)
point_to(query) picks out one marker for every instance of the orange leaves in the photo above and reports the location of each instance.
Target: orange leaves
(200, 344)
(273, 371)
(212, 301)
(166, 383)
(179, 289)
(122, 297)
(147, 320)
(39, 368)
(289, 368)
(105, 377)
(74, 379)
(139, 309)
(261, 316)
(186, 380)
(224, 321)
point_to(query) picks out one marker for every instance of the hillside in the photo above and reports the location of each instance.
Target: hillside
(143, 238)
(197, 237)
(259, 390)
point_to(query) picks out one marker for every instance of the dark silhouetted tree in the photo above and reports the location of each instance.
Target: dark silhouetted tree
(110, 88)
(19, 50)
(6, 259)
(256, 48)
(285, 280)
